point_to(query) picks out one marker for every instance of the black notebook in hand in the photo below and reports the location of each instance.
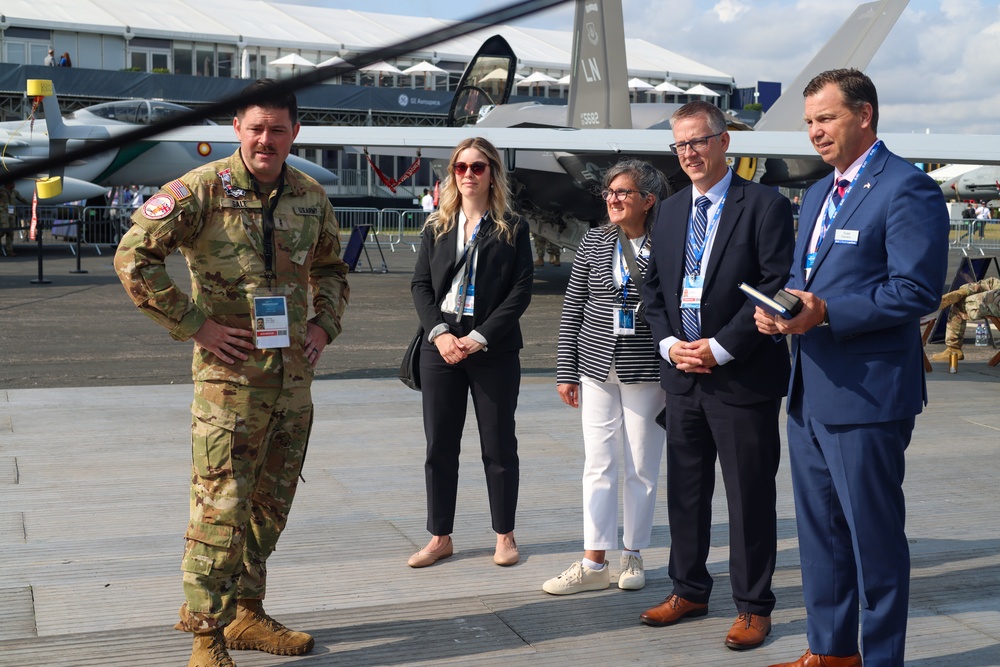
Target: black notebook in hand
(784, 304)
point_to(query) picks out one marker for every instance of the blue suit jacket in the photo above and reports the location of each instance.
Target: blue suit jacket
(867, 366)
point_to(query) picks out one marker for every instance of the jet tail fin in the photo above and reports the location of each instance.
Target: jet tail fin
(598, 89)
(853, 45)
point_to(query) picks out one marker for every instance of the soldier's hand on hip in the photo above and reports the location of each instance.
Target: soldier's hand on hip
(316, 340)
(224, 341)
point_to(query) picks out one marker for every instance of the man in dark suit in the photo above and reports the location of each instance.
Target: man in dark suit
(724, 380)
(870, 261)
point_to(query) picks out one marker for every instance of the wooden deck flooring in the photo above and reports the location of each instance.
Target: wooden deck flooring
(93, 503)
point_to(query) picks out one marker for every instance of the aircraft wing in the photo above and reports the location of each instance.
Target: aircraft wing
(950, 148)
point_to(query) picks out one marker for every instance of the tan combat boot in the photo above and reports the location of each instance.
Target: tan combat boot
(945, 354)
(253, 629)
(554, 259)
(210, 651)
(540, 261)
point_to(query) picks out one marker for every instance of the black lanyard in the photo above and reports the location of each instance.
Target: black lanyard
(268, 226)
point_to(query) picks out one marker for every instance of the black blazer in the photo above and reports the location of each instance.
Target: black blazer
(754, 243)
(504, 274)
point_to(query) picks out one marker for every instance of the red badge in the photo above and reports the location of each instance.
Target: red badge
(158, 206)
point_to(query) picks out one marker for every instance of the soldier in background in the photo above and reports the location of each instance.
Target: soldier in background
(542, 246)
(261, 242)
(8, 216)
(972, 301)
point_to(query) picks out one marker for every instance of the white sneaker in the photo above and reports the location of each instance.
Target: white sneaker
(578, 578)
(633, 576)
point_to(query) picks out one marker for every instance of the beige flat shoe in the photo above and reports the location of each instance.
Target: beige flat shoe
(506, 554)
(425, 558)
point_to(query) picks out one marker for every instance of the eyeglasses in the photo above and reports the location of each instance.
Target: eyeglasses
(618, 195)
(698, 144)
(478, 168)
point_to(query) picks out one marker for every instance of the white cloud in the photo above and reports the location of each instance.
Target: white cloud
(730, 10)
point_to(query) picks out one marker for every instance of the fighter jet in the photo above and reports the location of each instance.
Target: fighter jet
(142, 163)
(982, 184)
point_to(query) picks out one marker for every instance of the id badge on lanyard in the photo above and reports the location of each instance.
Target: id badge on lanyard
(270, 317)
(469, 302)
(691, 294)
(624, 321)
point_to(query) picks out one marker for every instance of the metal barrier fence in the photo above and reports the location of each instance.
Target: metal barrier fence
(394, 226)
(974, 237)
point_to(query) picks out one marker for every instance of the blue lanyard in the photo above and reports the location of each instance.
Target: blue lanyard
(831, 211)
(624, 267)
(699, 250)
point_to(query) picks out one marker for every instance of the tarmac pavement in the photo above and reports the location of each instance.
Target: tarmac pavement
(94, 463)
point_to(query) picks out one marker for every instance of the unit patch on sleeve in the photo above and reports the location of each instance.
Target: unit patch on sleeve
(158, 206)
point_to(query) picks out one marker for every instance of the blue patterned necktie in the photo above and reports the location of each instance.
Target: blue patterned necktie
(689, 316)
(838, 192)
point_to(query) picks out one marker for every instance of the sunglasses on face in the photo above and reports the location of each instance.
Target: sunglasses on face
(478, 168)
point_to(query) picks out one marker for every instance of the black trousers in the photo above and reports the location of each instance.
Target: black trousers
(494, 380)
(746, 441)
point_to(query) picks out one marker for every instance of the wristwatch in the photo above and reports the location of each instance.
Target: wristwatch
(826, 316)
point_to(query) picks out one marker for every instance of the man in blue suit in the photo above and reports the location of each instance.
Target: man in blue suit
(870, 260)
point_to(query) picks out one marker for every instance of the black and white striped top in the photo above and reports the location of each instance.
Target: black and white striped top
(587, 342)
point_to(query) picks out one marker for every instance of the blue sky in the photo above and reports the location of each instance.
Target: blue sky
(938, 70)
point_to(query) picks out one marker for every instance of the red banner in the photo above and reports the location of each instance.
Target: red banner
(391, 183)
(34, 216)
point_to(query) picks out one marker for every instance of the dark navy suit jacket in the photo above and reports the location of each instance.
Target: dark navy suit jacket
(753, 244)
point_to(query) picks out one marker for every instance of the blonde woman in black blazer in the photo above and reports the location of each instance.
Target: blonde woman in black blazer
(608, 365)
(471, 284)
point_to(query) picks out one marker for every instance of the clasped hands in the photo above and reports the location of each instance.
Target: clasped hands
(454, 349)
(693, 357)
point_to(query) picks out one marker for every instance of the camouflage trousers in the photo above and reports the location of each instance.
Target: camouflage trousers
(543, 245)
(983, 298)
(248, 445)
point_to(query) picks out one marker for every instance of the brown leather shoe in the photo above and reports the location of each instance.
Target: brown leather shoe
(810, 659)
(671, 610)
(748, 631)
(424, 558)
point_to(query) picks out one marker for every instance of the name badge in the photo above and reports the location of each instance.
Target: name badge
(306, 210)
(469, 309)
(624, 322)
(240, 203)
(270, 316)
(846, 236)
(691, 295)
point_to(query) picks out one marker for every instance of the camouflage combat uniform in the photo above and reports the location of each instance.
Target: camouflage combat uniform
(543, 245)
(976, 301)
(250, 419)
(8, 221)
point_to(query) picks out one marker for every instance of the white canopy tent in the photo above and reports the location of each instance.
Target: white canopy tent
(702, 90)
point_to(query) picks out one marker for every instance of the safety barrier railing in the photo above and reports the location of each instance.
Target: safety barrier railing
(974, 237)
(408, 222)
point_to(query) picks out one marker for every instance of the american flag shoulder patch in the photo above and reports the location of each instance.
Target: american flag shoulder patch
(177, 189)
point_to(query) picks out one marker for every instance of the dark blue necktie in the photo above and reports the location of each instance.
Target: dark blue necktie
(692, 264)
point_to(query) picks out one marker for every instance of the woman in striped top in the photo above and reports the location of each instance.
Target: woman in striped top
(607, 363)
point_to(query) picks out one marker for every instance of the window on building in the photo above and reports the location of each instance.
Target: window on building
(183, 60)
(26, 46)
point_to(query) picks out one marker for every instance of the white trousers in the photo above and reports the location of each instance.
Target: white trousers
(619, 418)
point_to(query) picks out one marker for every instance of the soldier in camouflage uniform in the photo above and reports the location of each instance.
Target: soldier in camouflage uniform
(972, 301)
(249, 226)
(543, 245)
(8, 220)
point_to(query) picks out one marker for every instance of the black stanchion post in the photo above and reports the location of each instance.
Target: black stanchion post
(79, 235)
(41, 278)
